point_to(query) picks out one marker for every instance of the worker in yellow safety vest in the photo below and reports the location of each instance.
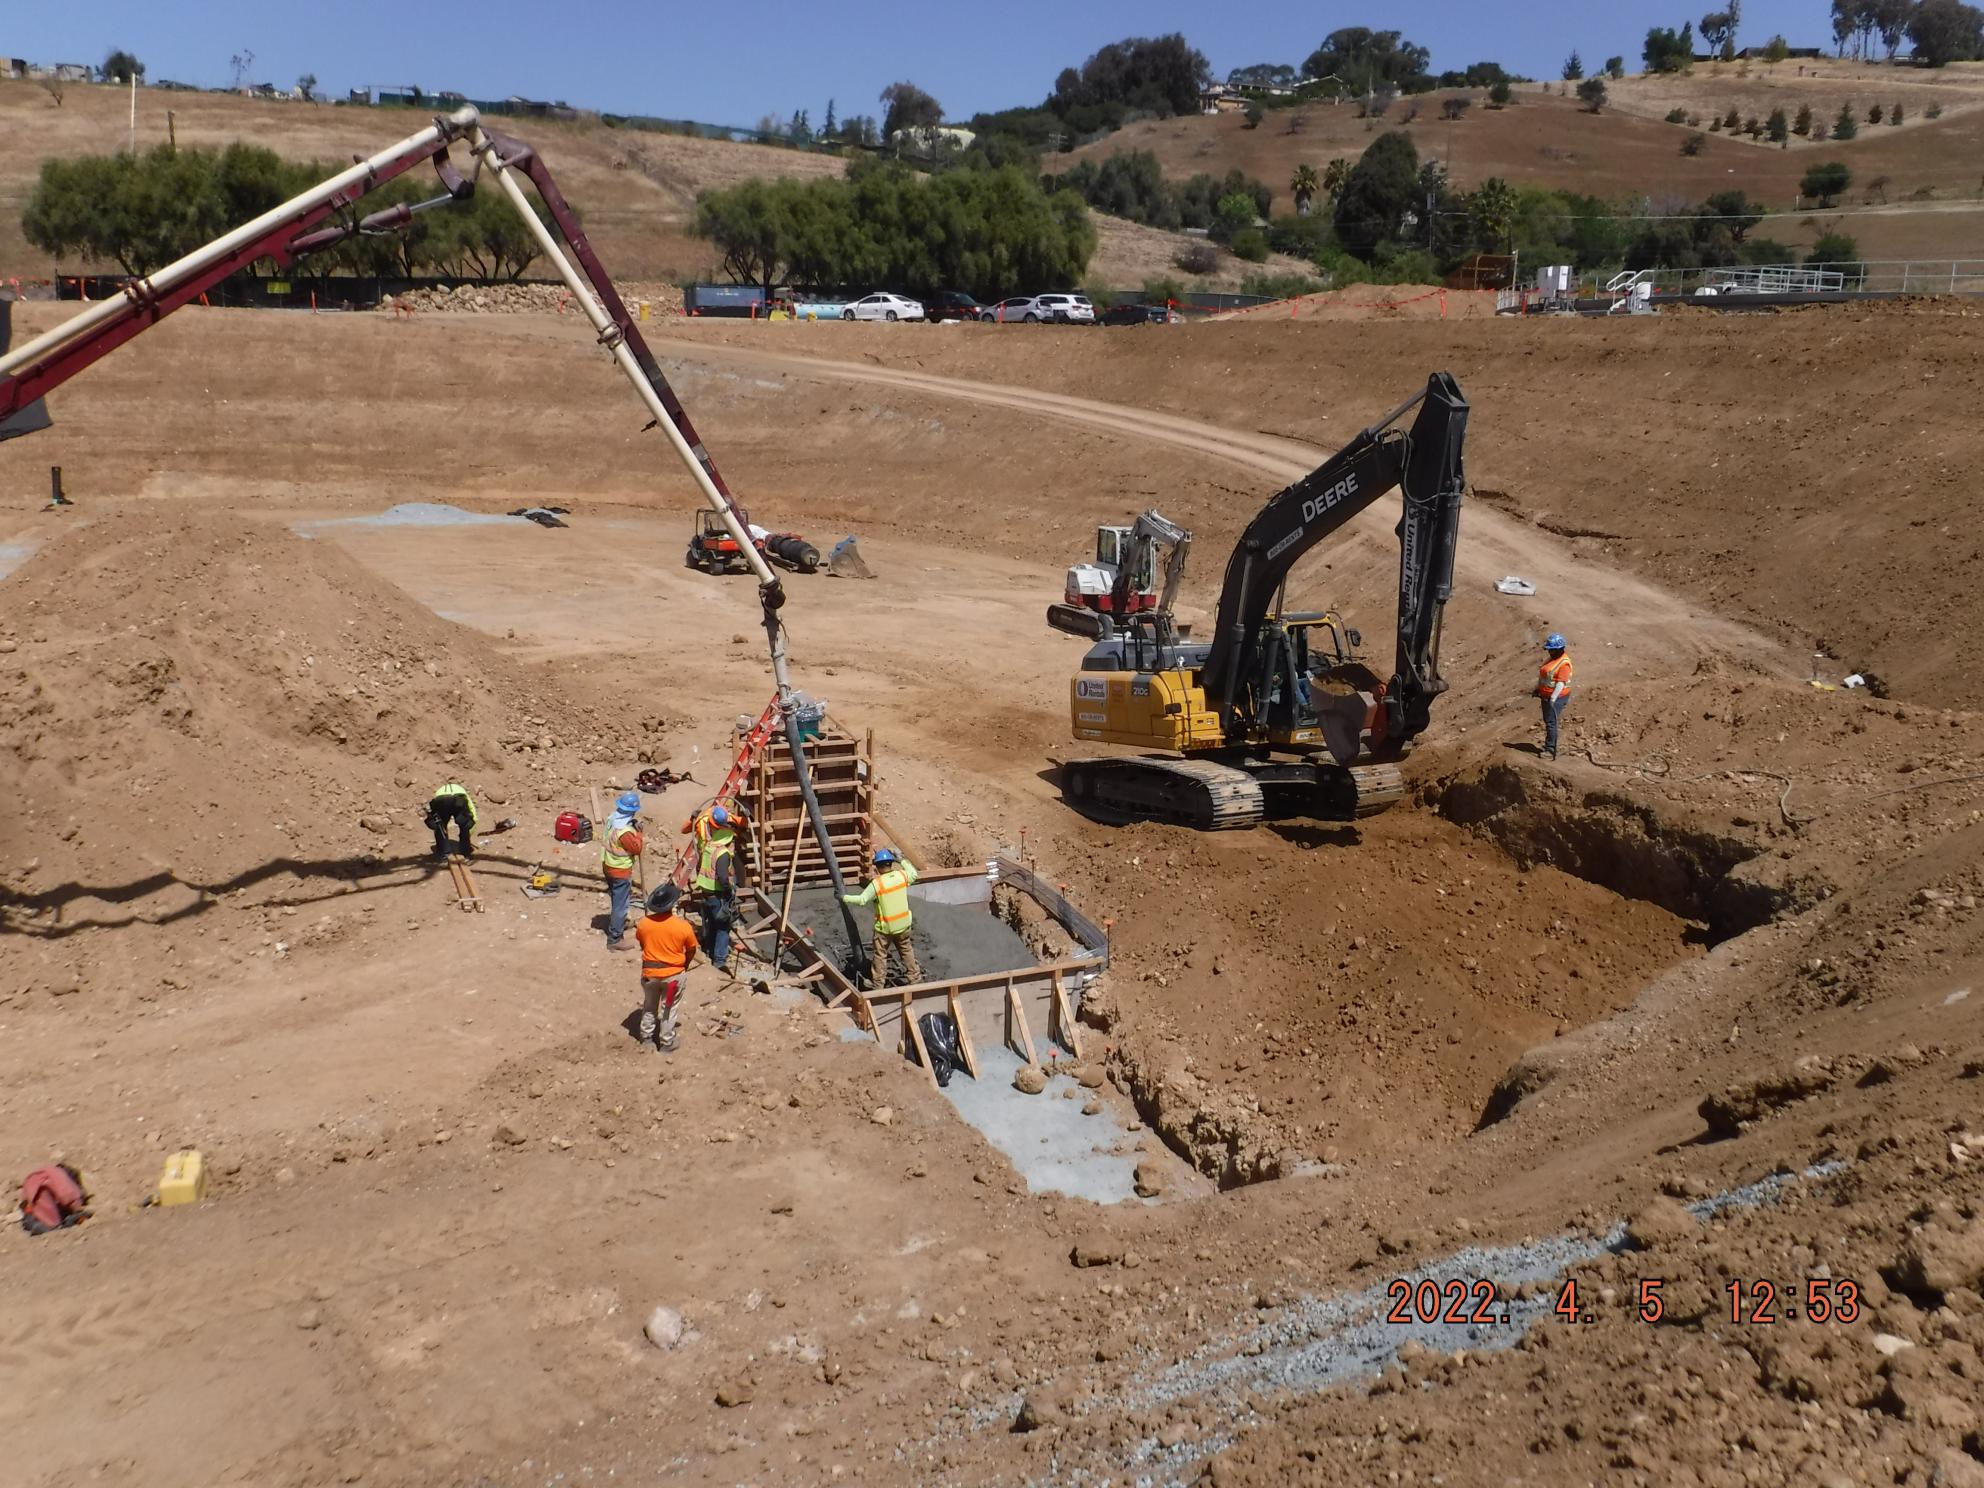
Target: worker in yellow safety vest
(888, 891)
(1553, 689)
(716, 878)
(619, 851)
(452, 804)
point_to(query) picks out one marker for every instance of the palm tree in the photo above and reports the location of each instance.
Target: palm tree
(1305, 185)
(1336, 176)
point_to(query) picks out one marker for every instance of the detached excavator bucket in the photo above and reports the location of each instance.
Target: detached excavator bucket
(845, 562)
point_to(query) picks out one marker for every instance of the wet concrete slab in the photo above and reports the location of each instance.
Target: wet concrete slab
(951, 940)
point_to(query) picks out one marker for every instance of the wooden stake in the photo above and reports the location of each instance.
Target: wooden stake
(965, 1050)
(1016, 1014)
(1064, 1020)
(912, 1037)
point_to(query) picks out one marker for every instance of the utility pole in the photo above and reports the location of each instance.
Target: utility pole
(134, 110)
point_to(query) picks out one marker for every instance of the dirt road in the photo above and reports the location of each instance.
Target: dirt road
(1647, 630)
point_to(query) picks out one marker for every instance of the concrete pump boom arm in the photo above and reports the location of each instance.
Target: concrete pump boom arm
(293, 229)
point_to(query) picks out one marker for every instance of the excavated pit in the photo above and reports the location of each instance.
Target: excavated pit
(1712, 877)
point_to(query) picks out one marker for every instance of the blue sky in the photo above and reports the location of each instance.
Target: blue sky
(733, 64)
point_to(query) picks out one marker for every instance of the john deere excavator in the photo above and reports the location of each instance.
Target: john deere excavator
(1275, 717)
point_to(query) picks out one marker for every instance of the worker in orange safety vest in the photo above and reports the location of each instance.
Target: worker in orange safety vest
(888, 891)
(1553, 690)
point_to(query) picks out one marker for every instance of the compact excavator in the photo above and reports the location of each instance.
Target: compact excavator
(1274, 716)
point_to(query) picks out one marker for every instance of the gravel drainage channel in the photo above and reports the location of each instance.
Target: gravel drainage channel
(1319, 1343)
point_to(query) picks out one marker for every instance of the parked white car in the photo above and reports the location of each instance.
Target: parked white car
(1065, 309)
(1061, 309)
(882, 307)
(1013, 311)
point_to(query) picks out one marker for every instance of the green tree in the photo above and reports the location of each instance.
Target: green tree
(1364, 59)
(749, 225)
(1336, 176)
(1894, 114)
(1499, 93)
(1234, 215)
(1160, 75)
(1777, 126)
(1826, 182)
(1777, 50)
(1802, 126)
(1573, 67)
(1263, 75)
(1694, 144)
(1303, 186)
(307, 86)
(120, 67)
(1845, 126)
(831, 128)
(1876, 114)
(907, 106)
(1615, 68)
(988, 232)
(1383, 187)
(1254, 114)
(1835, 250)
(1734, 211)
(1591, 93)
(1946, 31)
(1891, 18)
(1250, 244)
(1491, 214)
(1668, 50)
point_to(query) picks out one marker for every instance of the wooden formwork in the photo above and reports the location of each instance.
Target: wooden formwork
(843, 768)
(1031, 1009)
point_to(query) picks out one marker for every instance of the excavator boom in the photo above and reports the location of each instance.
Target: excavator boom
(1426, 462)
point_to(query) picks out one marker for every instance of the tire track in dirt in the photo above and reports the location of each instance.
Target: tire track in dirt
(1651, 630)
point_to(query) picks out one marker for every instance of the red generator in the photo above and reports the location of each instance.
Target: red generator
(572, 827)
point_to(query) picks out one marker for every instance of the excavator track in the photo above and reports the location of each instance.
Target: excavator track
(1201, 794)
(1212, 797)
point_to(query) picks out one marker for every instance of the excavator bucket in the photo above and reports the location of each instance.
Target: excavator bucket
(845, 562)
(1341, 718)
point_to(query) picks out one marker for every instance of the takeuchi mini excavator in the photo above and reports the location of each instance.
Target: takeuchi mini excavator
(1275, 716)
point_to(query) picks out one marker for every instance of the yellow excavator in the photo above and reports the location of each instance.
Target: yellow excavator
(1274, 717)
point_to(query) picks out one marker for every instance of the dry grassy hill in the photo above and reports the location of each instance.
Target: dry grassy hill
(1934, 168)
(636, 190)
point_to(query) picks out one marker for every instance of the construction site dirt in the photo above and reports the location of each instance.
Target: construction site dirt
(1691, 1005)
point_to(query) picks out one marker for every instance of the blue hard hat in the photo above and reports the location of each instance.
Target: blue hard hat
(884, 855)
(630, 801)
(1554, 643)
(719, 816)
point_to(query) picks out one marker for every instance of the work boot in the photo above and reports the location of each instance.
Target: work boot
(665, 1037)
(645, 1030)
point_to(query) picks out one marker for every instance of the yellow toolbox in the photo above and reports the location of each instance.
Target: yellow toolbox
(184, 1180)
